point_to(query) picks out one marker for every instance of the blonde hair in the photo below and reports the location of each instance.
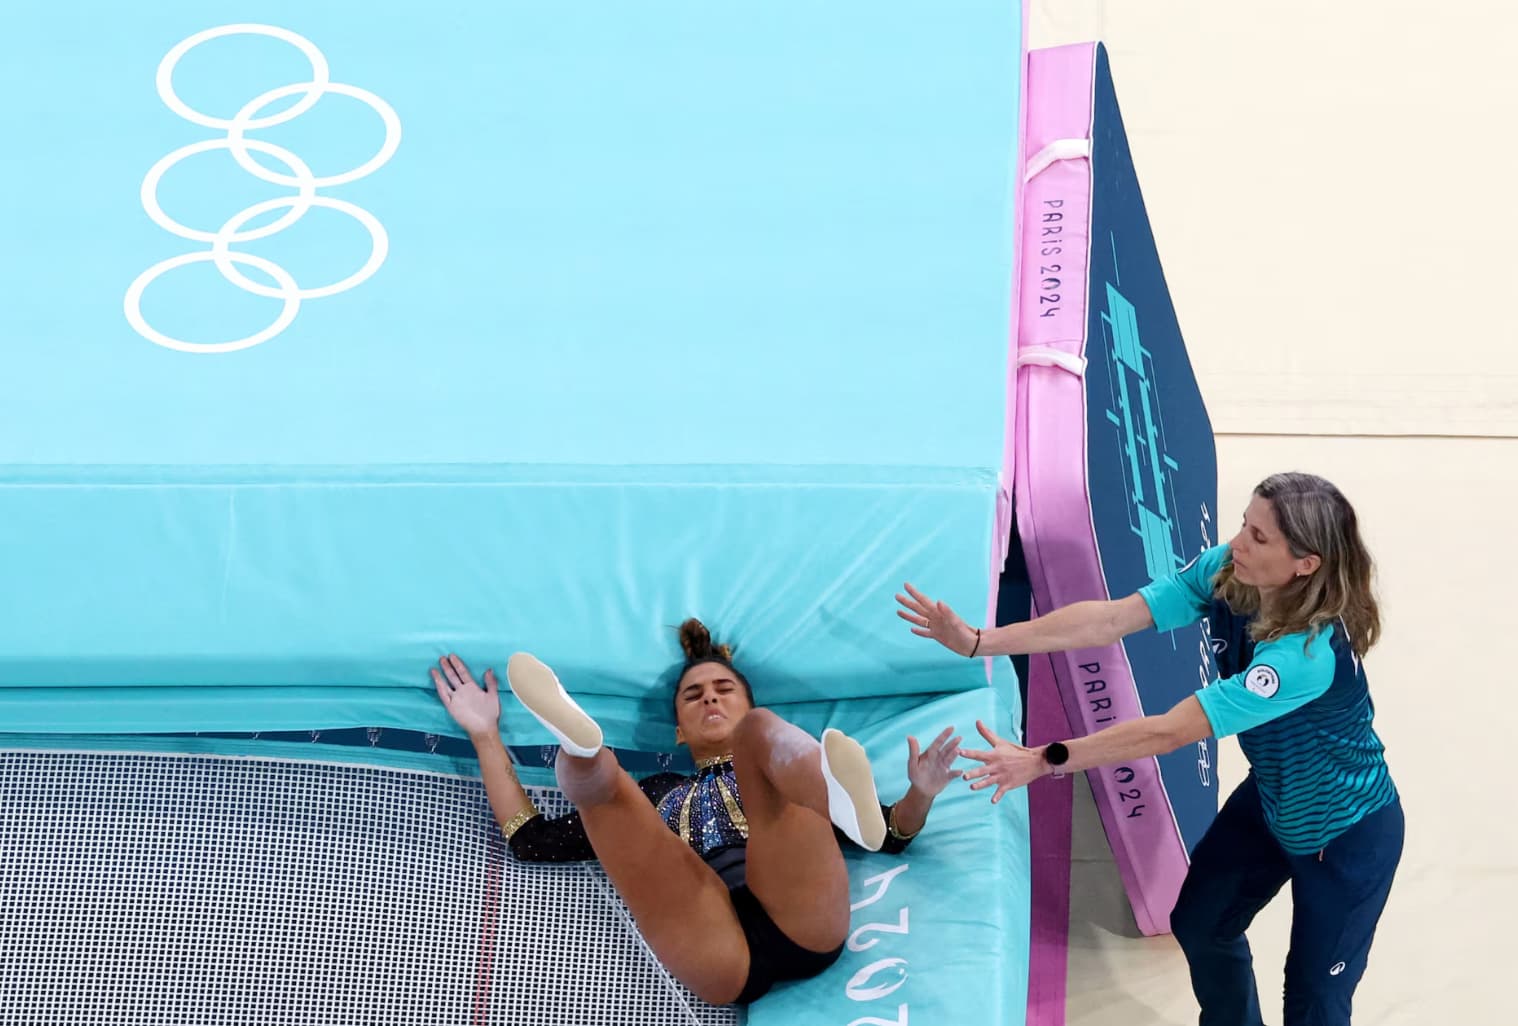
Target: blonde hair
(1315, 519)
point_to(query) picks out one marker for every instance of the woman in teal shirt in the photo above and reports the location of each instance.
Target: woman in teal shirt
(1288, 603)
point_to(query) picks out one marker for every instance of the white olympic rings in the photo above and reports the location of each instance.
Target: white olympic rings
(300, 177)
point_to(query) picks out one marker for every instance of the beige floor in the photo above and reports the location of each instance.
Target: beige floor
(1439, 517)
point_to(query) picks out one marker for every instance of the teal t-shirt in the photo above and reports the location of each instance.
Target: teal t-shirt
(1299, 704)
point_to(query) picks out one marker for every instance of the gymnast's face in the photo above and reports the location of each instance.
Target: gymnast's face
(708, 705)
(1262, 557)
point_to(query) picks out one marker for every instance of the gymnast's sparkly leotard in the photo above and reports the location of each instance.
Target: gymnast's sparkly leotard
(706, 811)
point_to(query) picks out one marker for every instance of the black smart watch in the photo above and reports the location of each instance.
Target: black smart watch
(1056, 755)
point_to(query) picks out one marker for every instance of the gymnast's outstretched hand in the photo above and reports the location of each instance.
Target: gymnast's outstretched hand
(476, 709)
(1007, 766)
(936, 620)
(930, 770)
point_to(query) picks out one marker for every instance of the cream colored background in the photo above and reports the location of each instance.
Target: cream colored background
(1332, 188)
(1334, 191)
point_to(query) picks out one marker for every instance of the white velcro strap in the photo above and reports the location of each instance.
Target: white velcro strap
(1043, 356)
(1058, 150)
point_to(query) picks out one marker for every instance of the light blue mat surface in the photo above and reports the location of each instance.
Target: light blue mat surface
(681, 311)
(655, 233)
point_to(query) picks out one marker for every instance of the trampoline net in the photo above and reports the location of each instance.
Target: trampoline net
(170, 889)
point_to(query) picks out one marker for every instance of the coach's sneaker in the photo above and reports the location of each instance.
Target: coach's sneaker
(853, 805)
(540, 692)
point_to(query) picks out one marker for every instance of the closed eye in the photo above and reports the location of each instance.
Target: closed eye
(1254, 532)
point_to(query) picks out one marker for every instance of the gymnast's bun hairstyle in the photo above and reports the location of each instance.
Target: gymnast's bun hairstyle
(696, 642)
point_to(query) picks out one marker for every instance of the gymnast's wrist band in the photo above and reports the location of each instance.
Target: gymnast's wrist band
(895, 831)
(515, 823)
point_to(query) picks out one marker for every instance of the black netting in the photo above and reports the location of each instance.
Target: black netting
(152, 889)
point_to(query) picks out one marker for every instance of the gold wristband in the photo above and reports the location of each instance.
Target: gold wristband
(895, 831)
(514, 824)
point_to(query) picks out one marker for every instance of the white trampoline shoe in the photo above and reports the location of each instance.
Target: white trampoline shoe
(853, 805)
(541, 694)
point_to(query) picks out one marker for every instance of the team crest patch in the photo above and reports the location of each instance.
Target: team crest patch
(1263, 681)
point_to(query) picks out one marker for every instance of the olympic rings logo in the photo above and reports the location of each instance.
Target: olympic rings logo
(299, 178)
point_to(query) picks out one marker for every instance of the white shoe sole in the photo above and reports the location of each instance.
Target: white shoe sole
(541, 694)
(853, 805)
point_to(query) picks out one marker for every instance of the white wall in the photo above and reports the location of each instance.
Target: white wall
(1335, 196)
(1333, 189)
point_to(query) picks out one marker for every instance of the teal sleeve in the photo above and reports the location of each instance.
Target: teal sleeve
(1285, 674)
(1182, 598)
